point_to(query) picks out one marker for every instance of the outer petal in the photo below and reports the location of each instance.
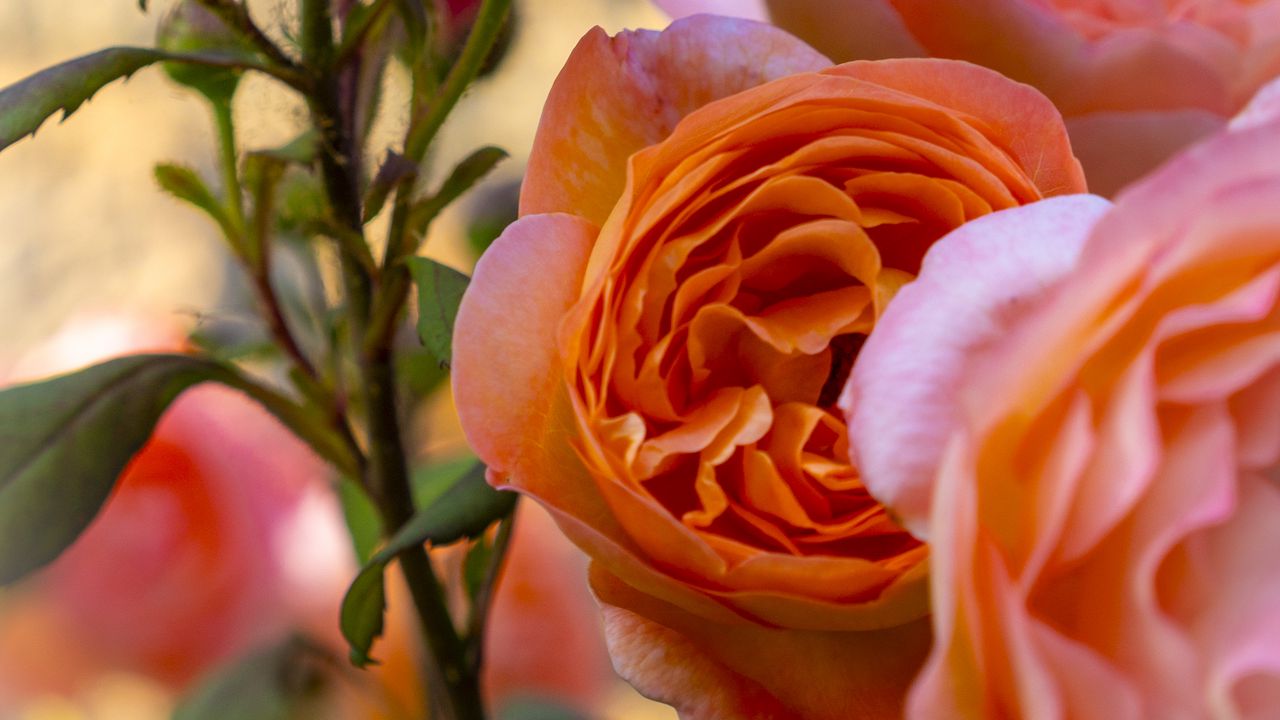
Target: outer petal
(711, 670)
(506, 367)
(508, 386)
(901, 399)
(1117, 148)
(1262, 109)
(847, 29)
(749, 9)
(1019, 116)
(618, 95)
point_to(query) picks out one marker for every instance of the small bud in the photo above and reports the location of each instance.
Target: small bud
(191, 28)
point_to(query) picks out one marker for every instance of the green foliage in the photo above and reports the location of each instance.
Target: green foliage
(440, 290)
(463, 509)
(396, 170)
(184, 184)
(25, 106)
(363, 523)
(537, 708)
(466, 174)
(285, 682)
(191, 28)
(64, 441)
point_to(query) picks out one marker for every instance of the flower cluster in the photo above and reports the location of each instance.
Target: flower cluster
(860, 406)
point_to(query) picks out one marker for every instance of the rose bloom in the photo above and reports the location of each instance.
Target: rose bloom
(191, 560)
(1093, 460)
(1137, 80)
(713, 219)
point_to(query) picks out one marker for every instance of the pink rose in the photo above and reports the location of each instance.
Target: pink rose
(1092, 459)
(1137, 80)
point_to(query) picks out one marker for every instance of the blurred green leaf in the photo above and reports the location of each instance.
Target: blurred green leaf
(64, 441)
(395, 171)
(464, 508)
(440, 289)
(466, 174)
(420, 371)
(537, 708)
(363, 522)
(475, 567)
(285, 682)
(414, 14)
(25, 105)
(184, 184)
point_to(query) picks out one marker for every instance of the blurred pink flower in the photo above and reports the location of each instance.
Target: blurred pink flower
(1136, 80)
(192, 559)
(1087, 435)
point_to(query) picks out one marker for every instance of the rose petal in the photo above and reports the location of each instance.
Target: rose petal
(847, 29)
(1117, 148)
(1262, 109)
(717, 670)
(1018, 116)
(506, 369)
(901, 397)
(748, 9)
(618, 95)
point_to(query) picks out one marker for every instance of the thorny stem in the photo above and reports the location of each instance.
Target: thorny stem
(386, 476)
(422, 130)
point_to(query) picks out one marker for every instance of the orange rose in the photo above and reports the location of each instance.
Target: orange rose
(1137, 80)
(1095, 471)
(713, 219)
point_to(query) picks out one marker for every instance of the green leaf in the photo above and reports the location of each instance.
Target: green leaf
(395, 171)
(531, 707)
(467, 173)
(25, 105)
(363, 522)
(184, 184)
(464, 509)
(363, 608)
(420, 371)
(440, 289)
(302, 150)
(285, 682)
(475, 567)
(64, 441)
(414, 14)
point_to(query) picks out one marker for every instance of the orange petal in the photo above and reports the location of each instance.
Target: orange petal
(506, 368)
(718, 670)
(618, 95)
(1018, 116)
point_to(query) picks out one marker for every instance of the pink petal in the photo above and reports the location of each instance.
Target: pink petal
(747, 9)
(847, 29)
(901, 398)
(1117, 148)
(506, 366)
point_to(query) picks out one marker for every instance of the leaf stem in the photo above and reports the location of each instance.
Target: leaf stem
(422, 130)
(386, 475)
(483, 600)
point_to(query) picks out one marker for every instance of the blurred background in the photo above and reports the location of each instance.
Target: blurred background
(173, 585)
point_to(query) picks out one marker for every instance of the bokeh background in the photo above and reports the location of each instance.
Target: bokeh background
(86, 232)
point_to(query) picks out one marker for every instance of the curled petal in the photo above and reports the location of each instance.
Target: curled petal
(901, 399)
(506, 370)
(717, 670)
(617, 95)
